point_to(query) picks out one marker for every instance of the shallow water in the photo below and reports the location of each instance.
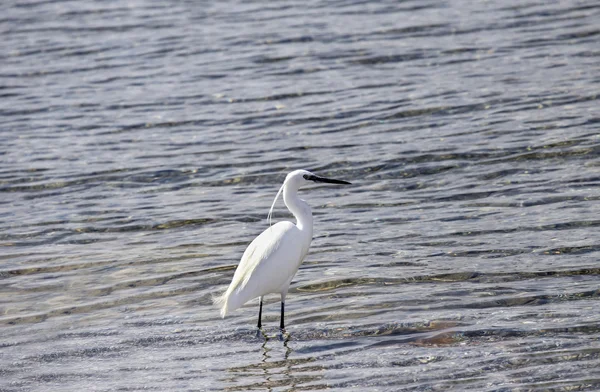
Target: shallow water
(143, 143)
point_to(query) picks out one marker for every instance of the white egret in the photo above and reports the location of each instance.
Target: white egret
(272, 259)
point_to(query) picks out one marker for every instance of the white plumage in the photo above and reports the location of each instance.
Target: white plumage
(267, 266)
(273, 258)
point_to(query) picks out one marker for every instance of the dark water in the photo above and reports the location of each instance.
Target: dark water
(142, 143)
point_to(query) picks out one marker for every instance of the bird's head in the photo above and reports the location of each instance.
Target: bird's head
(299, 178)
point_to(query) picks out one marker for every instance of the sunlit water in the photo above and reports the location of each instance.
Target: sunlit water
(142, 143)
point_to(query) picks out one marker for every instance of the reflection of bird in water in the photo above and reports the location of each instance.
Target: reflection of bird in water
(272, 259)
(274, 371)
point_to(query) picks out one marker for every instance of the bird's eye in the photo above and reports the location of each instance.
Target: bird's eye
(305, 177)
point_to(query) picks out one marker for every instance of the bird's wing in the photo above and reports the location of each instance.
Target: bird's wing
(267, 263)
(259, 250)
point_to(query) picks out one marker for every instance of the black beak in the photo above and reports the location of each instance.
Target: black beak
(327, 180)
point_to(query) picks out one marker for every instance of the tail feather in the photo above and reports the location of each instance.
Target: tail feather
(222, 302)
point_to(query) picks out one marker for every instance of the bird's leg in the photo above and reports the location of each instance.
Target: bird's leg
(260, 312)
(258, 330)
(281, 324)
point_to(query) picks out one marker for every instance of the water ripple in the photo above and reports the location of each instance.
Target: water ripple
(142, 146)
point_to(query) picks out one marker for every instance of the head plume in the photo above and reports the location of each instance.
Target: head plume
(275, 201)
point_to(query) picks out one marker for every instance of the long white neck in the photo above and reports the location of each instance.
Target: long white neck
(299, 208)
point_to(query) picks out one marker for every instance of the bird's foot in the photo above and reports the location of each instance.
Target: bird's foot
(283, 335)
(260, 333)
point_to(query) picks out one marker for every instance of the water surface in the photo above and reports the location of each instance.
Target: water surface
(143, 143)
